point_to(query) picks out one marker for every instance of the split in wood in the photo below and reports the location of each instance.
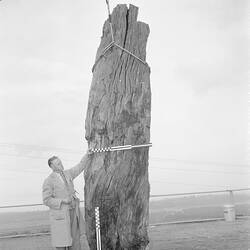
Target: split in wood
(113, 43)
(118, 148)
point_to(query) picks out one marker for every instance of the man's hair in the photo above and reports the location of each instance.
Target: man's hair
(51, 159)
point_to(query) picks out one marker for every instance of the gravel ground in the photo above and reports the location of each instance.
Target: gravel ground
(219, 235)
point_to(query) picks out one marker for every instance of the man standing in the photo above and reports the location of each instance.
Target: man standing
(66, 220)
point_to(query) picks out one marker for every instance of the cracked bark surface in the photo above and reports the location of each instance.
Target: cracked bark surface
(119, 114)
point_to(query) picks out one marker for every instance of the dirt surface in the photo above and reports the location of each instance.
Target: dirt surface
(218, 235)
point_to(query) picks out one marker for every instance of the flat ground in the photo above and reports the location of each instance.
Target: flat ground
(219, 235)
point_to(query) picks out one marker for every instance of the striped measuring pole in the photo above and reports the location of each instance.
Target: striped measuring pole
(97, 229)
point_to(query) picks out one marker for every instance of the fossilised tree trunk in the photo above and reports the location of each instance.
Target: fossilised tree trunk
(119, 114)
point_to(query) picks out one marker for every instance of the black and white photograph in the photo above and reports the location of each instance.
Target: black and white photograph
(124, 125)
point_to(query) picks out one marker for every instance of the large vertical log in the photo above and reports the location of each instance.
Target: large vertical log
(119, 114)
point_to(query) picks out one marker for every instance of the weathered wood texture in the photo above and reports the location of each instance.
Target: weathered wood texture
(118, 114)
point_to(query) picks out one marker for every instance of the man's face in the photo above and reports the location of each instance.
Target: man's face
(56, 165)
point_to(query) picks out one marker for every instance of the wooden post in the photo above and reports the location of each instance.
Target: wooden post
(119, 113)
(231, 197)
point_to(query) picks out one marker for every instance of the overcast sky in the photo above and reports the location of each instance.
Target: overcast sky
(197, 51)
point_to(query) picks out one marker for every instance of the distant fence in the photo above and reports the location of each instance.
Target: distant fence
(229, 191)
(230, 203)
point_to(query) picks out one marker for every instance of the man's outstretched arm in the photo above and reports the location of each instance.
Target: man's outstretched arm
(75, 171)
